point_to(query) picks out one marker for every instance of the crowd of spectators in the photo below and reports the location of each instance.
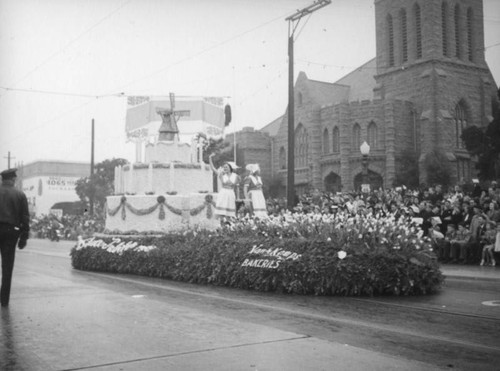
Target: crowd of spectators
(67, 227)
(462, 223)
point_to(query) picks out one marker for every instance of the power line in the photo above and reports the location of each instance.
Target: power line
(45, 123)
(200, 52)
(491, 46)
(71, 42)
(50, 92)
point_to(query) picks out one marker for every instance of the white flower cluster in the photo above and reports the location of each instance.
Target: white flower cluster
(342, 228)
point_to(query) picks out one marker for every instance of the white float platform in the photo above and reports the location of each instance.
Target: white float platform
(127, 213)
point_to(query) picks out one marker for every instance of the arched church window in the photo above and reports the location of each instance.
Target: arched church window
(373, 135)
(301, 146)
(356, 137)
(460, 122)
(404, 35)
(336, 140)
(390, 41)
(418, 31)
(470, 34)
(326, 142)
(282, 158)
(444, 27)
(458, 53)
(299, 98)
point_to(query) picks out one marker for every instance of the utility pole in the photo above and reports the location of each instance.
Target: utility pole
(92, 168)
(293, 22)
(8, 159)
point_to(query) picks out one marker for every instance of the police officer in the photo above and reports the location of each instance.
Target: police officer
(14, 227)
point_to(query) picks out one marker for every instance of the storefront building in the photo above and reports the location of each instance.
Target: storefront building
(47, 183)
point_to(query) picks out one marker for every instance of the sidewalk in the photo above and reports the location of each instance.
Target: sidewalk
(458, 271)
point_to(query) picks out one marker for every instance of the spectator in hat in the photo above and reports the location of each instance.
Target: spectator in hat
(437, 238)
(460, 244)
(445, 248)
(488, 240)
(493, 212)
(445, 214)
(14, 228)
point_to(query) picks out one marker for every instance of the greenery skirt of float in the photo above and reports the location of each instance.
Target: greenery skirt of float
(296, 254)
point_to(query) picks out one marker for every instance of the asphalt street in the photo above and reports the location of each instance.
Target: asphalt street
(63, 319)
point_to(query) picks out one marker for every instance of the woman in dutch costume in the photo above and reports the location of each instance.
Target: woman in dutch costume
(226, 199)
(253, 191)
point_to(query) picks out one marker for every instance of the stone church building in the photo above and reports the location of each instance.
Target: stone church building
(428, 81)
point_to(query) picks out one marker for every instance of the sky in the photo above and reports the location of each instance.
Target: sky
(66, 62)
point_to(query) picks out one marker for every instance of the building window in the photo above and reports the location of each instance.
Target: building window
(404, 36)
(463, 170)
(282, 158)
(336, 140)
(301, 146)
(326, 142)
(418, 31)
(373, 135)
(390, 33)
(299, 99)
(458, 54)
(470, 34)
(460, 123)
(356, 137)
(444, 27)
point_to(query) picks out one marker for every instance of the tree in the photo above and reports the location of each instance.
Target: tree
(223, 150)
(100, 184)
(407, 171)
(438, 169)
(274, 188)
(485, 144)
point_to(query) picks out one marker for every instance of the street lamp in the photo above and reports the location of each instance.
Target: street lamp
(365, 154)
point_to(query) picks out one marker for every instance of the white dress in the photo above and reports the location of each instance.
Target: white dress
(256, 196)
(226, 200)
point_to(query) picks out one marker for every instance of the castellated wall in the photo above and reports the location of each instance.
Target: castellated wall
(254, 147)
(394, 136)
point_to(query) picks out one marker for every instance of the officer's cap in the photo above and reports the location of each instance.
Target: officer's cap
(8, 174)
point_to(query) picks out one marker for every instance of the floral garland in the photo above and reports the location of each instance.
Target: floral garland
(208, 204)
(161, 204)
(177, 165)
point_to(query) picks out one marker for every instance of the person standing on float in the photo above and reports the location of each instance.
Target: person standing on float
(226, 198)
(252, 190)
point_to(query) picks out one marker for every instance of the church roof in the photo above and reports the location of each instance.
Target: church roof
(361, 81)
(273, 127)
(355, 86)
(327, 93)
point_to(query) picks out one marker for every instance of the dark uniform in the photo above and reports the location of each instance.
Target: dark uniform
(14, 226)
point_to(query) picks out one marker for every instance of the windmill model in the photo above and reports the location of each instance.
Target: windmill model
(168, 130)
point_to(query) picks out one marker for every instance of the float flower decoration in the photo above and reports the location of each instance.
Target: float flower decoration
(359, 232)
(161, 203)
(341, 254)
(209, 203)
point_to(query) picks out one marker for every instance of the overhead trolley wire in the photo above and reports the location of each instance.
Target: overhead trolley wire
(200, 52)
(71, 42)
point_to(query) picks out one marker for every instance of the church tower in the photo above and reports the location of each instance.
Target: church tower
(431, 53)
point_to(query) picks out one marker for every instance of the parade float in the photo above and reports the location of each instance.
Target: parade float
(171, 191)
(160, 223)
